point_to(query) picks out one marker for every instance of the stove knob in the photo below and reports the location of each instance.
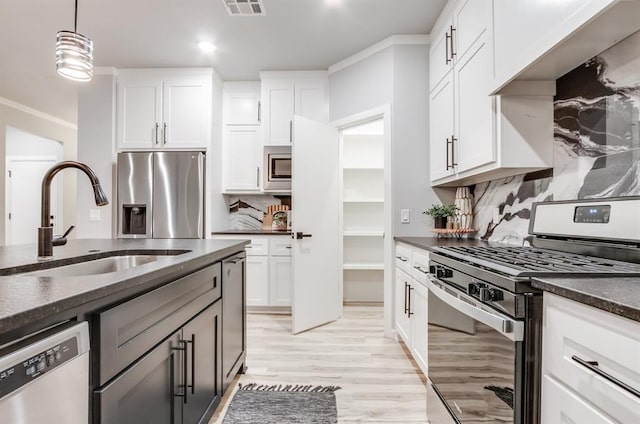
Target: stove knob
(491, 295)
(443, 272)
(474, 288)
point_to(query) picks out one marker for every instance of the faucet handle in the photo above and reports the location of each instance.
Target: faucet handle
(62, 240)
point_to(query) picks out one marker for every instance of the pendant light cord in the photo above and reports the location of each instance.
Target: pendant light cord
(75, 20)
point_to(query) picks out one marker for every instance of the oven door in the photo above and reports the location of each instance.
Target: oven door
(473, 357)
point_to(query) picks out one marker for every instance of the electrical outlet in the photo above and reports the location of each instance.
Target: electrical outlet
(94, 215)
(404, 216)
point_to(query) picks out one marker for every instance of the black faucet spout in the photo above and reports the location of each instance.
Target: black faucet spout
(45, 232)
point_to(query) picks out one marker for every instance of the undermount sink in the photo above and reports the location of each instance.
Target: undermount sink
(101, 265)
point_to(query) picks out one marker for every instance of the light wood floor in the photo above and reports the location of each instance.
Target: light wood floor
(379, 382)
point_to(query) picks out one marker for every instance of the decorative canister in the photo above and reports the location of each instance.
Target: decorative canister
(464, 205)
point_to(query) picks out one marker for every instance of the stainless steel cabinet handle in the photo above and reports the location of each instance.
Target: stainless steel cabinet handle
(290, 131)
(258, 176)
(446, 47)
(406, 308)
(453, 52)
(402, 258)
(453, 160)
(156, 132)
(409, 302)
(193, 363)
(164, 133)
(287, 247)
(447, 150)
(183, 349)
(419, 268)
(593, 366)
(259, 111)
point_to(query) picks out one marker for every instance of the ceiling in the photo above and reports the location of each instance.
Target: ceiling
(294, 35)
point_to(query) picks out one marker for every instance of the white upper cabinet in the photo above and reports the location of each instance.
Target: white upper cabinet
(242, 153)
(442, 129)
(241, 103)
(163, 109)
(285, 94)
(474, 136)
(474, 144)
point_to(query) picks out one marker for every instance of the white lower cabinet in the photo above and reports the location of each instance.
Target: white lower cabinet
(565, 407)
(257, 280)
(418, 309)
(280, 280)
(590, 364)
(403, 323)
(268, 271)
(410, 303)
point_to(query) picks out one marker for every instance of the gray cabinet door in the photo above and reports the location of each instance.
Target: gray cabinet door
(233, 317)
(204, 377)
(146, 392)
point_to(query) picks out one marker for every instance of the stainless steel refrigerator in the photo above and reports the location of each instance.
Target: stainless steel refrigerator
(161, 195)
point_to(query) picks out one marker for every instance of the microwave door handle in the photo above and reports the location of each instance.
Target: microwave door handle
(513, 330)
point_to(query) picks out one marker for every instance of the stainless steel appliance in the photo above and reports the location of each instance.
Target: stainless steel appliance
(277, 168)
(45, 378)
(161, 194)
(490, 371)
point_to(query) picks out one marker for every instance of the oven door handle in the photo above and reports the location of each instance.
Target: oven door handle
(510, 328)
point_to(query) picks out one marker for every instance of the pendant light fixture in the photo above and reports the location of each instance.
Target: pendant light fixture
(74, 53)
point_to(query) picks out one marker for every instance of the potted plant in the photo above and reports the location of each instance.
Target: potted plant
(440, 213)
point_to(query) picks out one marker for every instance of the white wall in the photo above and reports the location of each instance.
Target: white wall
(13, 115)
(96, 148)
(22, 143)
(399, 76)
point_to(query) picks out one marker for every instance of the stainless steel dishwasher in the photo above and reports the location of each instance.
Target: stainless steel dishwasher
(44, 378)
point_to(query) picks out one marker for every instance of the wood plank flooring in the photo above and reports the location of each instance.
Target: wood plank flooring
(380, 384)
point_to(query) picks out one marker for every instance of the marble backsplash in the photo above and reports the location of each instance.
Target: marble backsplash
(596, 146)
(247, 212)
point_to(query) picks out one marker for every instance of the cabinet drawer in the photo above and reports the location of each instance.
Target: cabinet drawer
(575, 334)
(403, 258)
(562, 406)
(130, 329)
(420, 265)
(258, 247)
(280, 246)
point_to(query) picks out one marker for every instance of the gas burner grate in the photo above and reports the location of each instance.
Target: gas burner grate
(532, 262)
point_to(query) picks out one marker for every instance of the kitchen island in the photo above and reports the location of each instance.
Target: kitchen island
(178, 306)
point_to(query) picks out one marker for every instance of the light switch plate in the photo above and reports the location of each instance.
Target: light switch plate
(404, 216)
(94, 215)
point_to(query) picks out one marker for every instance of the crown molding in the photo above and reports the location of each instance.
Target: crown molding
(394, 40)
(37, 113)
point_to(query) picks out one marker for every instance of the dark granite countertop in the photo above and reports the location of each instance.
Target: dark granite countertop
(618, 295)
(252, 232)
(429, 243)
(24, 299)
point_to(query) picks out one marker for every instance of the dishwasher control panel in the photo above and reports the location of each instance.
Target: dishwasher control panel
(21, 373)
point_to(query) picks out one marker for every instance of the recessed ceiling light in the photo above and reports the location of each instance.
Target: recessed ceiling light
(333, 3)
(206, 46)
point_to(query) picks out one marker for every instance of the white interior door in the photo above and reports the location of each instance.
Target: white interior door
(316, 262)
(23, 199)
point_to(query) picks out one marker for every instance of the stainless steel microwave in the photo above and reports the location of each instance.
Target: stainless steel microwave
(277, 168)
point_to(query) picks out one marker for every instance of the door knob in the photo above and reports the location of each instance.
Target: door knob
(300, 236)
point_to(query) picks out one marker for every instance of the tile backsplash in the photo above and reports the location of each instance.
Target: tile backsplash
(596, 146)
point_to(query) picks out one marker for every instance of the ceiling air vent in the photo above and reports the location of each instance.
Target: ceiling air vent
(244, 7)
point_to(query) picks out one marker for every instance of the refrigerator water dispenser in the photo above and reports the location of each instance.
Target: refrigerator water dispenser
(134, 219)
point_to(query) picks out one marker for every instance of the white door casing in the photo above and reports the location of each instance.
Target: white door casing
(23, 196)
(315, 207)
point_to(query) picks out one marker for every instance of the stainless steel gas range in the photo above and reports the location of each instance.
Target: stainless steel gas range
(485, 318)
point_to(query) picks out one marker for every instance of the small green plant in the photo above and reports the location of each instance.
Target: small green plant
(441, 211)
